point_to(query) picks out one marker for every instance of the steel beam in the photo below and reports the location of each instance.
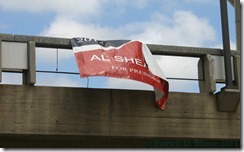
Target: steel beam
(226, 44)
(238, 23)
(231, 2)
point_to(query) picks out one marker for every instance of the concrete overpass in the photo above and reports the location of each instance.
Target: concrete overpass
(42, 116)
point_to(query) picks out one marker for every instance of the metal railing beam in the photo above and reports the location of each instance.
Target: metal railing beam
(64, 43)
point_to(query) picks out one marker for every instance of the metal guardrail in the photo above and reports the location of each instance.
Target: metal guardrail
(64, 43)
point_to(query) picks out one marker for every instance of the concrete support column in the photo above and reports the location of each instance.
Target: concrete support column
(228, 99)
(29, 76)
(207, 71)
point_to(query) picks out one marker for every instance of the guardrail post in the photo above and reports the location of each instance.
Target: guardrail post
(237, 72)
(207, 71)
(29, 76)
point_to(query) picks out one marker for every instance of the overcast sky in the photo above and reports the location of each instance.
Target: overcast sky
(167, 22)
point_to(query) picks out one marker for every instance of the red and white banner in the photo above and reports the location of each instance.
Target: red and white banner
(127, 59)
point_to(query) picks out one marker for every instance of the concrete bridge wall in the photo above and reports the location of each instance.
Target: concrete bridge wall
(33, 116)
